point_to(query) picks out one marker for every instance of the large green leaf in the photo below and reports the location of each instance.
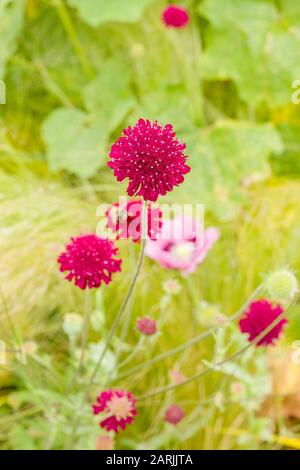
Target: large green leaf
(110, 95)
(96, 12)
(266, 77)
(11, 22)
(254, 45)
(222, 159)
(253, 17)
(74, 142)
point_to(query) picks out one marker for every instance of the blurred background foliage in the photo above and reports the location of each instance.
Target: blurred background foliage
(76, 73)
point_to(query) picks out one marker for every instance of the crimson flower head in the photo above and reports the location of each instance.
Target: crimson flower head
(146, 325)
(259, 315)
(152, 159)
(174, 414)
(175, 16)
(126, 220)
(89, 261)
(118, 408)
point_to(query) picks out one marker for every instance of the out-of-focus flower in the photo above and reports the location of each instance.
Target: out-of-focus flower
(174, 414)
(146, 325)
(175, 16)
(209, 314)
(126, 220)
(259, 315)
(176, 377)
(137, 51)
(118, 408)
(29, 348)
(171, 286)
(104, 443)
(182, 244)
(152, 159)
(237, 389)
(282, 285)
(72, 325)
(90, 261)
(221, 320)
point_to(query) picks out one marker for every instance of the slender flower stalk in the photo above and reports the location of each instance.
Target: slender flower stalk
(189, 343)
(127, 298)
(85, 326)
(230, 358)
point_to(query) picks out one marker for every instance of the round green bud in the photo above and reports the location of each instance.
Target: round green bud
(72, 325)
(282, 285)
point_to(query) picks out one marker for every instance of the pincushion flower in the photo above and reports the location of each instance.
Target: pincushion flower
(146, 325)
(259, 315)
(89, 261)
(182, 244)
(152, 159)
(174, 414)
(118, 408)
(126, 220)
(175, 16)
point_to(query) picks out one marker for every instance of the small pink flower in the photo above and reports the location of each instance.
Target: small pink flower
(171, 286)
(174, 414)
(90, 261)
(118, 407)
(146, 325)
(104, 443)
(176, 377)
(152, 159)
(259, 315)
(182, 244)
(125, 220)
(175, 16)
(237, 388)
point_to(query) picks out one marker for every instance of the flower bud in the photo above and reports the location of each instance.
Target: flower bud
(72, 324)
(282, 285)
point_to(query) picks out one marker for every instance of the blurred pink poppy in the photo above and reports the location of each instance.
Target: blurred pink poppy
(182, 244)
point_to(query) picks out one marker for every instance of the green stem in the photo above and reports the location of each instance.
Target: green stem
(66, 20)
(127, 298)
(85, 326)
(230, 358)
(189, 343)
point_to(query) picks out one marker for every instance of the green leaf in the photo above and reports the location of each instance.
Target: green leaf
(11, 22)
(253, 17)
(96, 12)
(288, 161)
(265, 77)
(222, 158)
(108, 95)
(74, 142)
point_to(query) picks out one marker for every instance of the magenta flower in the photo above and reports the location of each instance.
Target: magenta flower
(118, 407)
(182, 244)
(125, 220)
(259, 315)
(146, 325)
(175, 16)
(151, 158)
(174, 414)
(90, 261)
